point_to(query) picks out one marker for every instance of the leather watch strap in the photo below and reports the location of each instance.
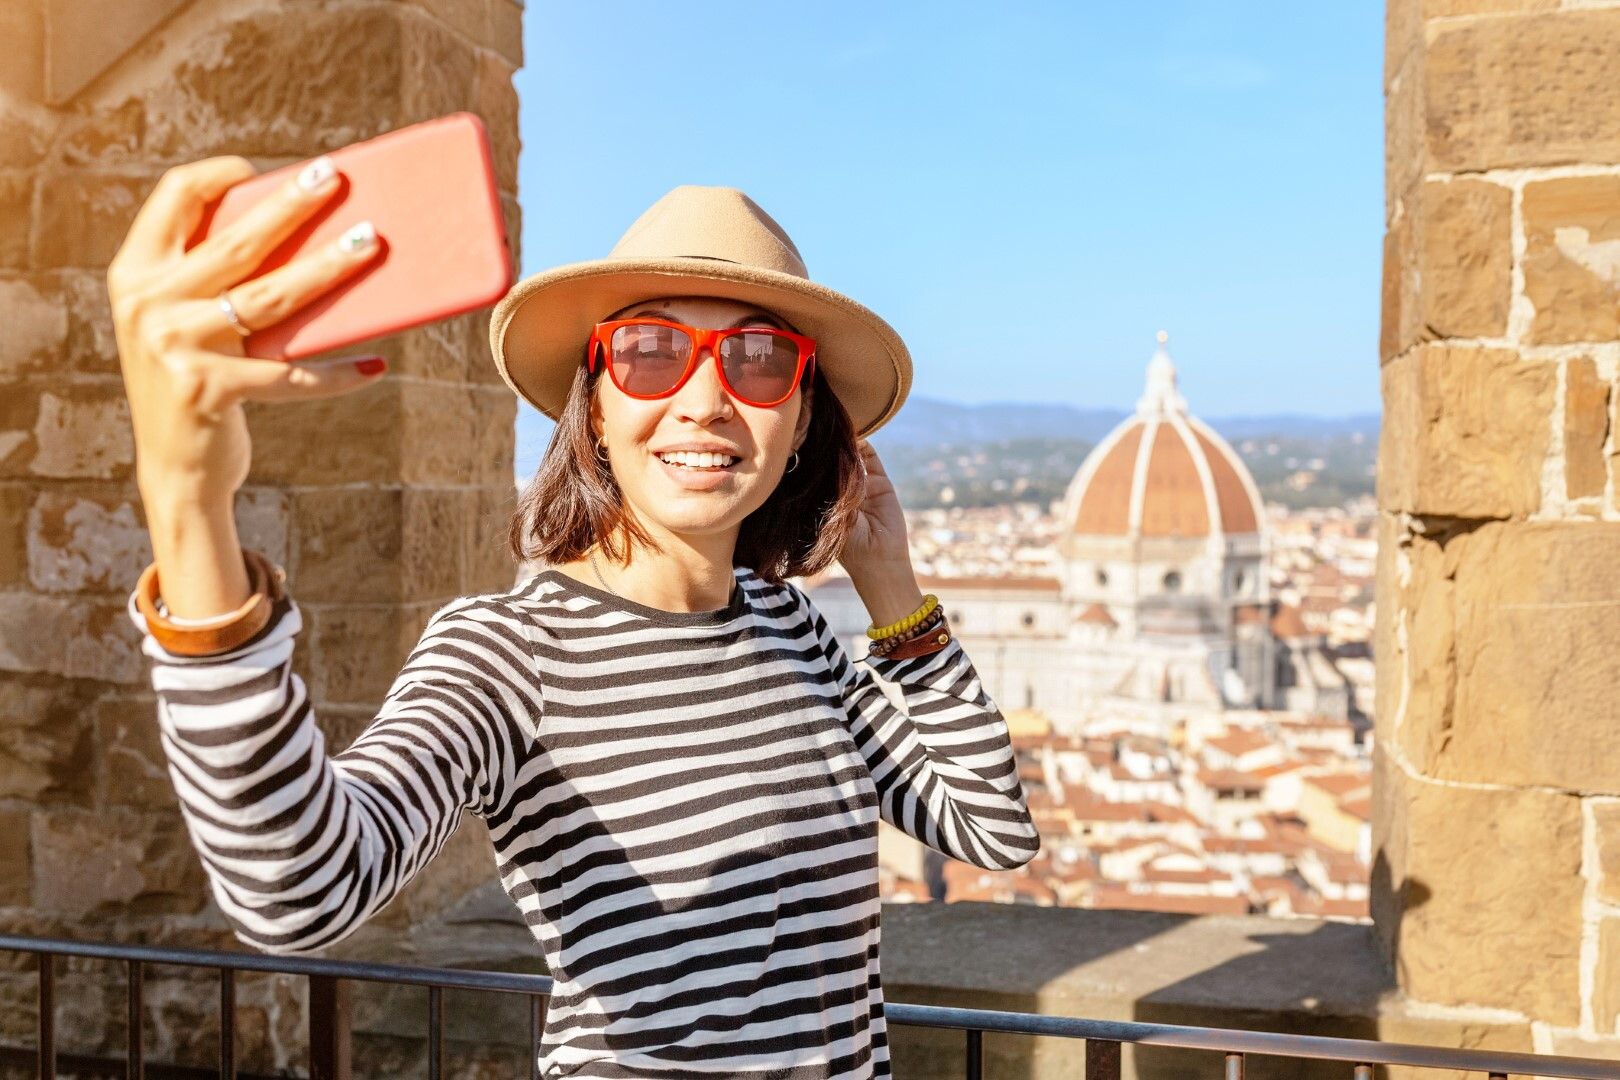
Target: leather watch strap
(268, 583)
(932, 641)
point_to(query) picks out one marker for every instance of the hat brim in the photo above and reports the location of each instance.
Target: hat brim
(537, 332)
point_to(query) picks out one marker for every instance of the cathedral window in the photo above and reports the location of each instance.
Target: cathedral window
(1102, 577)
(1172, 581)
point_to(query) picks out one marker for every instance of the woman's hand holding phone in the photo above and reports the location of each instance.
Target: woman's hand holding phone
(185, 370)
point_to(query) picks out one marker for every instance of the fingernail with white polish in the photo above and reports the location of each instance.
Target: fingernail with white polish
(358, 238)
(317, 174)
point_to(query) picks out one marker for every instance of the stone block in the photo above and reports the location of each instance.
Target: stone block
(1427, 666)
(268, 84)
(24, 133)
(1572, 258)
(132, 771)
(1399, 325)
(1387, 662)
(1586, 429)
(85, 541)
(1465, 257)
(16, 217)
(1606, 978)
(1465, 432)
(1606, 824)
(1403, 32)
(490, 564)
(36, 326)
(66, 431)
(1404, 151)
(438, 71)
(1440, 9)
(15, 499)
(379, 545)
(1508, 613)
(14, 859)
(1520, 92)
(76, 637)
(143, 864)
(353, 438)
(496, 101)
(83, 217)
(1498, 869)
(46, 739)
(1448, 264)
(356, 652)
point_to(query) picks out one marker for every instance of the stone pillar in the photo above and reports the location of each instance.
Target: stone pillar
(1497, 821)
(382, 504)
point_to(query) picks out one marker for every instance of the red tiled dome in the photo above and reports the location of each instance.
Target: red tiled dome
(1163, 473)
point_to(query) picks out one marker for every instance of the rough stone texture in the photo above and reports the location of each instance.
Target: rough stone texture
(1515, 92)
(1606, 818)
(1450, 882)
(141, 866)
(1606, 994)
(1572, 258)
(1465, 432)
(1448, 265)
(1586, 429)
(383, 545)
(1502, 620)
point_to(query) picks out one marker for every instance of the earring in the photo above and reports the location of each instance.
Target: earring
(795, 464)
(601, 445)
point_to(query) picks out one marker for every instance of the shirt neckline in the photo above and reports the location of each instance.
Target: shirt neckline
(736, 606)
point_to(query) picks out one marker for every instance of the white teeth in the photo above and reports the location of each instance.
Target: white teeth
(697, 461)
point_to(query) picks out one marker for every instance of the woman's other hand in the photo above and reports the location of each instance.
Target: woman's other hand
(879, 533)
(183, 363)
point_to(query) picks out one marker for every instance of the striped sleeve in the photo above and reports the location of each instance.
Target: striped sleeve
(943, 765)
(301, 847)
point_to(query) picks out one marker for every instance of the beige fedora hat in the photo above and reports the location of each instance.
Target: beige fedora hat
(697, 241)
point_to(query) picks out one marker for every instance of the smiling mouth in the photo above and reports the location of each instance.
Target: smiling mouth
(699, 462)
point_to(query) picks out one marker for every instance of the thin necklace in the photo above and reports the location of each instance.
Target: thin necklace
(599, 576)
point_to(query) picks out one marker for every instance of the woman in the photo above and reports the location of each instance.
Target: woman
(681, 770)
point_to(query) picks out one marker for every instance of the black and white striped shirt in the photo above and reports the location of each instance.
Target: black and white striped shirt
(684, 808)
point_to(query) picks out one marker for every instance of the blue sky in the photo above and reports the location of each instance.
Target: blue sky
(1210, 169)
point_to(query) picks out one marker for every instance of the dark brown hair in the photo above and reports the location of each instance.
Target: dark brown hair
(573, 500)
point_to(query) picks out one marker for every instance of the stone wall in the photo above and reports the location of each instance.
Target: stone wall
(1497, 817)
(382, 504)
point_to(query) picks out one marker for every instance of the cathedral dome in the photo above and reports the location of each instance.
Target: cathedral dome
(1162, 473)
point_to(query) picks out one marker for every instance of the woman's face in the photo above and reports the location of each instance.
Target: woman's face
(675, 498)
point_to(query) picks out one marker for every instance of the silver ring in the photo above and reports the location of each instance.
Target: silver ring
(230, 314)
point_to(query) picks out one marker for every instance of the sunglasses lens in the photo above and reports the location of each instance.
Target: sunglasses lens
(647, 358)
(760, 365)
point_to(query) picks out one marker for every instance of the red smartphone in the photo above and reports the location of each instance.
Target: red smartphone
(430, 190)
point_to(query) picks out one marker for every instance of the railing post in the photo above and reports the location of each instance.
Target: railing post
(975, 1054)
(135, 1066)
(1102, 1060)
(1363, 1072)
(435, 1033)
(1234, 1067)
(329, 1018)
(47, 1014)
(227, 1024)
(537, 1023)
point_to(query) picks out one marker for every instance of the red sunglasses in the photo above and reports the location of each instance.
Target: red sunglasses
(653, 358)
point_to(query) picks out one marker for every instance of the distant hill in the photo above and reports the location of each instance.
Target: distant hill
(928, 420)
(943, 453)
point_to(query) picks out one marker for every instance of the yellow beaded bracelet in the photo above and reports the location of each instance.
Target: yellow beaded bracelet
(901, 626)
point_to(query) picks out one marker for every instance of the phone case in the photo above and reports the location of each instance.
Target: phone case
(430, 190)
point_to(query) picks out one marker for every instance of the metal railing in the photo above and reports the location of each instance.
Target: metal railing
(330, 982)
